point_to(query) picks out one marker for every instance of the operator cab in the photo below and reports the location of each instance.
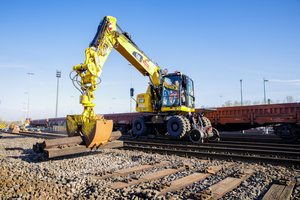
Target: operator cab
(177, 95)
(177, 92)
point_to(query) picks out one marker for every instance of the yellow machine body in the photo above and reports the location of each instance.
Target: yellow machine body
(144, 103)
(108, 36)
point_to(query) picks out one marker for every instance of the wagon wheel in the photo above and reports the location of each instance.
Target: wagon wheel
(293, 134)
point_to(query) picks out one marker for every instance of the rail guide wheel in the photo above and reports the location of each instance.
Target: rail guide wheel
(197, 135)
(133, 135)
(215, 137)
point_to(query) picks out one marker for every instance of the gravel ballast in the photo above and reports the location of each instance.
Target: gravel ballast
(25, 174)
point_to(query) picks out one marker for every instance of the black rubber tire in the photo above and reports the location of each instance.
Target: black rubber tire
(176, 127)
(187, 123)
(206, 122)
(139, 127)
(188, 126)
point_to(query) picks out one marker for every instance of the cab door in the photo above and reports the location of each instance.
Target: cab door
(190, 94)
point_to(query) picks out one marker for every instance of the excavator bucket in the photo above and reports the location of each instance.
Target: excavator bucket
(96, 133)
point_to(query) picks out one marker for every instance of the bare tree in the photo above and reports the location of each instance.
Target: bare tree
(256, 102)
(289, 99)
(236, 103)
(247, 103)
(227, 104)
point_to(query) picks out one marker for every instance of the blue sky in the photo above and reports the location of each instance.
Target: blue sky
(216, 43)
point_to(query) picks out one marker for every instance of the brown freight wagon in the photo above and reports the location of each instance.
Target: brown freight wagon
(284, 118)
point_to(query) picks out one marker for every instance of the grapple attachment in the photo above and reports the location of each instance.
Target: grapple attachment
(96, 133)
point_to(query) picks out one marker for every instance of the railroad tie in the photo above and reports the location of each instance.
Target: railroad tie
(56, 152)
(218, 190)
(191, 179)
(281, 191)
(131, 170)
(146, 178)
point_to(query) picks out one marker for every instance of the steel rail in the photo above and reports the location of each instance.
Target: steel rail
(246, 143)
(260, 146)
(252, 150)
(230, 154)
(38, 135)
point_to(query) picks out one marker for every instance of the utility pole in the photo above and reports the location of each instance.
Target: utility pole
(241, 92)
(29, 94)
(265, 101)
(58, 75)
(131, 89)
(113, 105)
(265, 97)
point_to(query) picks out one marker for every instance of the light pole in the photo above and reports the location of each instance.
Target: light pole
(29, 94)
(24, 111)
(221, 100)
(265, 98)
(241, 92)
(131, 89)
(72, 105)
(114, 105)
(58, 75)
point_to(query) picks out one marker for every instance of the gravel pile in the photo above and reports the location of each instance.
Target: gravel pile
(27, 175)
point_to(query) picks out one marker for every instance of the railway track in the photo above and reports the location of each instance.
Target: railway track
(266, 151)
(219, 179)
(43, 135)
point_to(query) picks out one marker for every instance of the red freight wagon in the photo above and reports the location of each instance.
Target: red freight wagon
(285, 118)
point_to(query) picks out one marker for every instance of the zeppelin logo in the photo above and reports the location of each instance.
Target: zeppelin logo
(138, 56)
(140, 96)
(110, 27)
(146, 64)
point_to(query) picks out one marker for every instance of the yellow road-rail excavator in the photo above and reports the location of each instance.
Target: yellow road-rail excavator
(168, 104)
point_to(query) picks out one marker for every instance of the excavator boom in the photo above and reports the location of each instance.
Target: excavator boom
(97, 131)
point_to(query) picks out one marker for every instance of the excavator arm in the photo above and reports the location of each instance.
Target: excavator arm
(97, 131)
